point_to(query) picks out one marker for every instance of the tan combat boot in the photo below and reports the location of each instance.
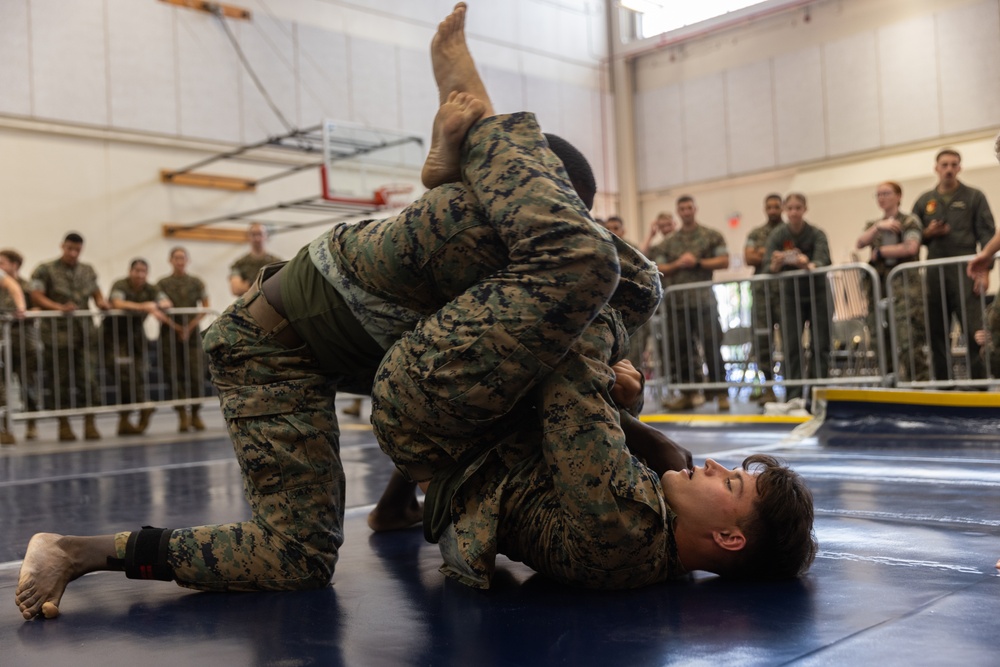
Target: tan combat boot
(183, 425)
(144, 417)
(6, 437)
(90, 431)
(31, 432)
(65, 432)
(196, 422)
(125, 426)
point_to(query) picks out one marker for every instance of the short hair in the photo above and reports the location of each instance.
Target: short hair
(73, 237)
(684, 199)
(896, 187)
(664, 214)
(136, 261)
(616, 217)
(947, 151)
(178, 248)
(780, 542)
(773, 195)
(796, 195)
(13, 256)
(581, 176)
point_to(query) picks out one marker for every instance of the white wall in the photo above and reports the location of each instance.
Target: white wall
(829, 101)
(99, 95)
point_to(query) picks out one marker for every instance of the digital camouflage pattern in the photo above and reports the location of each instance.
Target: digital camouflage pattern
(126, 350)
(183, 361)
(503, 394)
(279, 408)
(908, 302)
(71, 343)
(693, 314)
(24, 344)
(247, 267)
(766, 310)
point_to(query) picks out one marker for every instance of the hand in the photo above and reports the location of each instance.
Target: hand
(981, 336)
(889, 225)
(981, 282)
(628, 384)
(687, 261)
(979, 264)
(102, 304)
(936, 228)
(67, 307)
(777, 259)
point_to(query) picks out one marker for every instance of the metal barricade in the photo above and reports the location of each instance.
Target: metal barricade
(64, 364)
(933, 319)
(816, 327)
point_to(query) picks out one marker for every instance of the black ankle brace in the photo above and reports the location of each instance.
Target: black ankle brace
(146, 554)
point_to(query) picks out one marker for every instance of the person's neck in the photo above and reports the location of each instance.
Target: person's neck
(891, 212)
(178, 274)
(689, 226)
(797, 227)
(694, 550)
(947, 189)
(258, 253)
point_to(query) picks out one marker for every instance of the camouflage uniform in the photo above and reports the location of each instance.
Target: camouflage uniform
(247, 267)
(501, 398)
(24, 349)
(908, 301)
(126, 350)
(384, 275)
(182, 361)
(71, 343)
(694, 313)
(766, 311)
(968, 214)
(803, 299)
(992, 349)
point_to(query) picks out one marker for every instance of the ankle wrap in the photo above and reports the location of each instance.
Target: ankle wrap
(146, 554)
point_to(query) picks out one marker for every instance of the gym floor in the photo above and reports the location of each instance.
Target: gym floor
(909, 533)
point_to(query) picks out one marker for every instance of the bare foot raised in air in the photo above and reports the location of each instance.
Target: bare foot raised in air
(453, 120)
(50, 563)
(454, 70)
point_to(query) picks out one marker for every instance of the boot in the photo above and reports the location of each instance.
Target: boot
(682, 402)
(31, 432)
(354, 409)
(90, 431)
(65, 432)
(144, 417)
(6, 437)
(182, 425)
(196, 422)
(125, 426)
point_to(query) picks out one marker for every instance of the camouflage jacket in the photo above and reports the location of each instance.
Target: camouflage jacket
(65, 284)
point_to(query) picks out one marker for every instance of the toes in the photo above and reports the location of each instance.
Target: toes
(50, 610)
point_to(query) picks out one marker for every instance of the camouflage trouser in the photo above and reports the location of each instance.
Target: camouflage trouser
(183, 362)
(24, 360)
(452, 388)
(948, 290)
(799, 306)
(911, 334)
(766, 313)
(694, 319)
(126, 357)
(71, 350)
(477, 356)
(280, 414)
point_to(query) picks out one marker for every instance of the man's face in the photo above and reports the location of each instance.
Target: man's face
(772, 207)
(710, 497)
(258, 236)
(616, 227)
(665, 224)
(137, 274)
(947, 169)
(71, 253)
(686, 211)
(7, 266)
(179, 261)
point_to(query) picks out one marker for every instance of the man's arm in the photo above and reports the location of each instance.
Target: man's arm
(658, 451)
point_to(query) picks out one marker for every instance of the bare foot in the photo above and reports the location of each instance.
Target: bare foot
(451, 124)
(454, 70)
(46, 570)
(51, 562)
(398, 507)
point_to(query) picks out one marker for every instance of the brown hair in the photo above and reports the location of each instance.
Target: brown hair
(13, 256)
(896, 187)
(948, 151)
(796, 195)
(780, 543)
